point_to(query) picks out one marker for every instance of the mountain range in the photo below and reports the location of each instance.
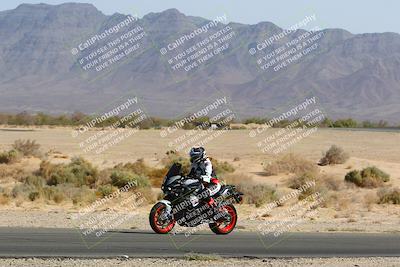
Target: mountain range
(351, 75)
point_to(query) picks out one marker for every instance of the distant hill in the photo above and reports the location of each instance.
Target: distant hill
(352, 75)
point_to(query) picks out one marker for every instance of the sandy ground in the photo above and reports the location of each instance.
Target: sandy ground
(366, 148)
(324, 262)
(148, 144)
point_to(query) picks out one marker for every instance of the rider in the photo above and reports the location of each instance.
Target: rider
(202, 169)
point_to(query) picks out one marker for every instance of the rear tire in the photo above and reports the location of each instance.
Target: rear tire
(220, 228)
(155, 223)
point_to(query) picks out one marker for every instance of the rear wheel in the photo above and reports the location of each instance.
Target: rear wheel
(227, 223)
(159, 224)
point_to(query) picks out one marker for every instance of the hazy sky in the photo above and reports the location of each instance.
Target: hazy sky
(357, 16)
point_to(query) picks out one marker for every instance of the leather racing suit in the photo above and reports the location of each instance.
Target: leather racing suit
(203, 170)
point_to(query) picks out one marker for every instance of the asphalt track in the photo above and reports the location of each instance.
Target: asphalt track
(40, 242)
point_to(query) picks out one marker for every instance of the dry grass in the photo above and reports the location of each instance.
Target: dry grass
(27, 147)
(351, 220)
(4, 199)
(9, 157)
(257, 194)
(77, 182)
(339, 201)
(105, 190)
(121, 177)
(12, 173)
(202, 257)
(370, 177)
(291, 163)
(221, 167)
(370, 199)
(389, 195)
(323, 184)
(334, 155)
(154, 175)
(78, 172)
(82, 196)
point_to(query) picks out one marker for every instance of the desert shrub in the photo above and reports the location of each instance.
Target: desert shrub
(104, 177)
(36, 181)
(78, 172)
(257, 194)
(147, 195)
(16, 172)
(22, 190)
(376, 173)
(331, 200)
(4, 199)
(156, 176)
(84, 172)
(83, 196)
(58, 197)
(297, 181)
(391, 196)
(120, 178)
(172, 157)
(334, 155)
(327, 186)
(53, 193)
(255, 120)
(370, 199)
(61, 175)
(138, 167)
(33, 195)
(370, 177)
(291, 163)
(55, 174)
(345, 123)
(354, 177)
(34, 187)
(9, 157)
(330, 182)
(105, 190)
(27, 147)
(221, 167)
(322, 184)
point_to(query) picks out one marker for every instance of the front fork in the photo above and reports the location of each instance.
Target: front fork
(167, 213)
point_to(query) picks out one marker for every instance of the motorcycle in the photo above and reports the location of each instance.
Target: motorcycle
(182, 205)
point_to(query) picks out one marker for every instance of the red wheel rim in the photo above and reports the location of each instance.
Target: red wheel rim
(228, 227)
(161, 227)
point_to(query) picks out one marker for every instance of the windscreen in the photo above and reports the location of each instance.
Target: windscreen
(174, 170)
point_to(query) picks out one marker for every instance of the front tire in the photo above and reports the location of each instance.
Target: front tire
(157, 224)
(224, 227)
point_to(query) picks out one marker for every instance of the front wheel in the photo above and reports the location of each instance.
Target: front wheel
(227, 222)
(157, 223)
